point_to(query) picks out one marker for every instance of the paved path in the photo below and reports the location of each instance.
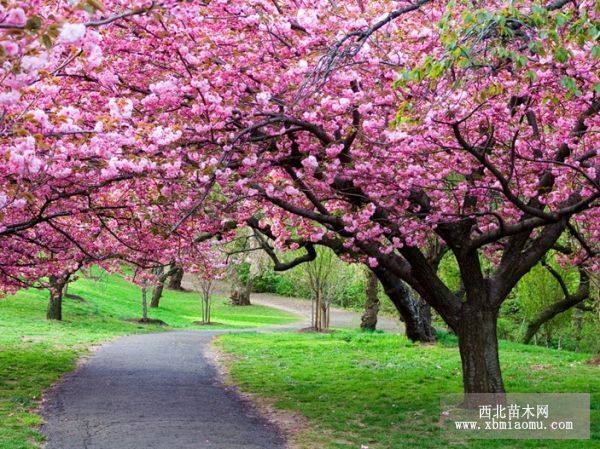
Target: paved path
(338, 317)
(159, 391)
(153, 391)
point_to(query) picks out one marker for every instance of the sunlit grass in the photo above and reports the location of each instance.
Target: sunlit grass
(382, 391)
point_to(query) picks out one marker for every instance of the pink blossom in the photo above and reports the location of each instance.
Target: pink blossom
(72, 32)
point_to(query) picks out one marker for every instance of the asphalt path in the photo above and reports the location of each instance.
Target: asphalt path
(152, 391)
(160, 391)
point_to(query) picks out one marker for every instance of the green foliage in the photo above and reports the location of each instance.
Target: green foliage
(349, 295)
(243, 271)
(535, 292)
(449, 272)
(382, 391)
(271, 282)
(35, 352)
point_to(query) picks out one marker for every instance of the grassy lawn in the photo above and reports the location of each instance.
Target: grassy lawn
(382, 391)
(34, 353)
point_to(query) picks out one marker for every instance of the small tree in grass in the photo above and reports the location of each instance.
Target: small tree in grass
(205, 285)
(145, 279)
(205, 276)
(326, 280)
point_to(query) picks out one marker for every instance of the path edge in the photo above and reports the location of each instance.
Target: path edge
(289, 423)
(49, 393)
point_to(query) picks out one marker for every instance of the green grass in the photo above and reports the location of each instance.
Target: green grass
(34, 352)
(382, 391)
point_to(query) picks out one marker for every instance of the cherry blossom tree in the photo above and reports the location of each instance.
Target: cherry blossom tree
(396, 131)
(467, 130)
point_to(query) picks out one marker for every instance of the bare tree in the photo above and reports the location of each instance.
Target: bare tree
(204, 285)
(326, 280)
(415, 312)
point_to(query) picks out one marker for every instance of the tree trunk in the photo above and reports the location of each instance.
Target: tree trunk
(144, 304)
(157, 292)
(478, 344)
(415, 312)
(324, 315)
(369, 317)
(56, 288)
(206, 309)
(54, 311)
(175, 279)
(240, 292)
(318, 324)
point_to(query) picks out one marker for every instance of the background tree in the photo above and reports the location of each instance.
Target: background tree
(325, 280)
(175, 278)
(414, 311)
(247, 261)
(557, 304)
(161, 277)
(204, 286)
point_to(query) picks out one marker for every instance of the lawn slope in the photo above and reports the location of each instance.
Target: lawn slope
(382, 391)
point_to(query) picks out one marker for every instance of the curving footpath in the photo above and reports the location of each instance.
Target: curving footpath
(152, 391)
(159, 391)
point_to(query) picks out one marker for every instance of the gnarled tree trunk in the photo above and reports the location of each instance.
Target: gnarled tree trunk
(415, 312)
(369, 317)
(162, 277)
(176, 278)
(157, 291)
(240, 291)
(478, 345)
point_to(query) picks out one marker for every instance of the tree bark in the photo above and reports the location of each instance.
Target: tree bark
(240, 292)
(478, 345)
(175, 279)
(157, 293)
(144, 304)
(369, 317)
(56, 288)
(317, 323)
(415, 312)
(162, 277)
(324, 315)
